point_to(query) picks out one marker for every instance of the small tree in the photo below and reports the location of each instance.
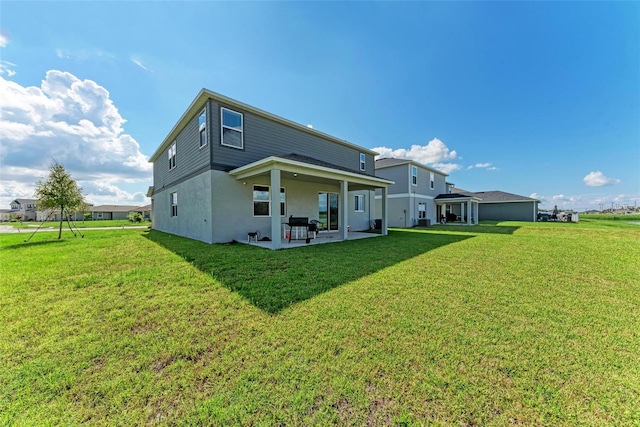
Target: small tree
(86, 216)
(59, 191)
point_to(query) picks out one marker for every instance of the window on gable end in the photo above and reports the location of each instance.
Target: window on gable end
(432, 180)
(202, 123)
(414, 175)
(363, 162)
(232, 128)
(172, 156)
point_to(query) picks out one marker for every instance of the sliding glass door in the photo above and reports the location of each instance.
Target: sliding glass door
(328, 210)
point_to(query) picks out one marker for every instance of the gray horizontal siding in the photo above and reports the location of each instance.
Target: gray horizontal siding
(189, 156)
(399, 174)
(521, 211)
(265, 138)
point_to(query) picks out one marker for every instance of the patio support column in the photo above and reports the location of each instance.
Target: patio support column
(384, 229)
(344, 209)
(276, 232)
(477, 215)
(461, 211)
(469, 203)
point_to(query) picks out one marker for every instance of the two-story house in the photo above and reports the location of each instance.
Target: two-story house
(24, 209)
(421, 195)
(227, 168)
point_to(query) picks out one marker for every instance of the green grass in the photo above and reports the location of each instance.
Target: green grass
(507, 323)
(611, 217)
(32, 225)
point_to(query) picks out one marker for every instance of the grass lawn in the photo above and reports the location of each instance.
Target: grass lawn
(508, 323)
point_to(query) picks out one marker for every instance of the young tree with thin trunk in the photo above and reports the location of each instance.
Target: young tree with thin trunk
(59, 191)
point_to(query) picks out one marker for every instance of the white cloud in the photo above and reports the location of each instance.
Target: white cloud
(6, 67)
(537, 197)
(5, 38)
(74, 122)
(139, 64)
(435, 151)
(446, 167)
(486, 166)
(435, 154)
(598, 179)
(85, 54)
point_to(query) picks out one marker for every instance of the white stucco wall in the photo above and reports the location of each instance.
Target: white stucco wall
(194, 209)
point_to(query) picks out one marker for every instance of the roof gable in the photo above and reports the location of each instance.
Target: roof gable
(205, 94)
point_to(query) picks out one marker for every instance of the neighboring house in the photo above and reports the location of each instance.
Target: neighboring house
(112, 211)
(145, 211)
(502, 206)
(54, 215)
(420, 195)
(227, 168)
(24, 209)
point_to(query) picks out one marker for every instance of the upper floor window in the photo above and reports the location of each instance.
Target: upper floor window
(414, 175)
(172, 156)
(432, 180)
(232, 128)
(363, 162)
(359, 203)
(202, 123)
(174, 204)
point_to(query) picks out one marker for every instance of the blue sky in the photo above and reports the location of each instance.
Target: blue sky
(538, 98)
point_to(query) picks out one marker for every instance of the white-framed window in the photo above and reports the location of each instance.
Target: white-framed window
(262, 201)
(202, 126)
(232, 128)
(414, 175)
(99, 215)
(359, 203)
(363, 162)
(432, 180)
(174, 204)
(172, 155)
(422, 210)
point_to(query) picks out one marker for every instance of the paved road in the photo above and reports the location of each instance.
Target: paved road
(8, 229)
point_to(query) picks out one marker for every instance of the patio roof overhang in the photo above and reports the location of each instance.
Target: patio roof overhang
(461, 199)
(304, 171)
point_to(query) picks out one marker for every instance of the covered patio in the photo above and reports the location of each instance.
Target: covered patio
(463, 207)
(307, 171)
(320, 239)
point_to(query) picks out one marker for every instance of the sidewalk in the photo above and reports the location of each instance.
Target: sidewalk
(8, 229)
